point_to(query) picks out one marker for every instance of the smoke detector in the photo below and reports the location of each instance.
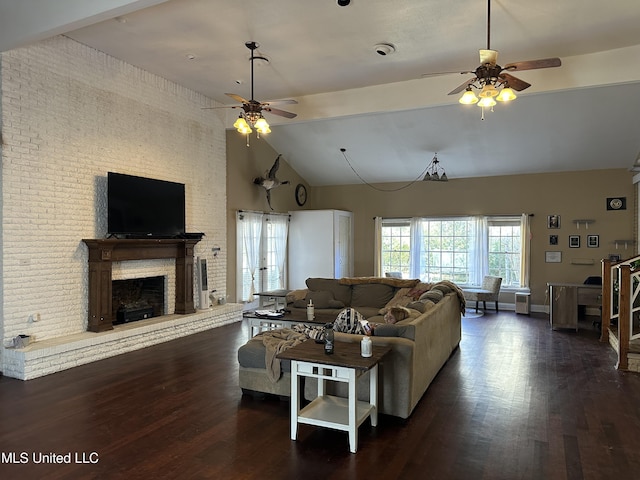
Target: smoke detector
(384, 49)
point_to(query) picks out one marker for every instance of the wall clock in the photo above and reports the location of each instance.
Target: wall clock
(617, 203)
(301, 194)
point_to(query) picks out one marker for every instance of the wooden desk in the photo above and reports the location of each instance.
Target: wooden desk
(564, 299)
(345, 365)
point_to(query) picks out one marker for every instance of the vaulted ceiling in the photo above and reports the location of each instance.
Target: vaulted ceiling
(389, 112)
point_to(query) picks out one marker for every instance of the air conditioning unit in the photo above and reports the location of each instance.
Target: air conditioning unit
(203, 283)
(523, 303)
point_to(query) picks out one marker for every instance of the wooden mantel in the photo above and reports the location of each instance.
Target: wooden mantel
(102, 254)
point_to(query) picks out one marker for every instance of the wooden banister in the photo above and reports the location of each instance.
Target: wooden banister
(624, 309)
(606, 300)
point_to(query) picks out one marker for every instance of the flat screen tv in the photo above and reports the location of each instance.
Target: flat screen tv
(139, 207)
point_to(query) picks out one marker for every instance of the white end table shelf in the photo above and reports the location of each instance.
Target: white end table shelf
(345, 365)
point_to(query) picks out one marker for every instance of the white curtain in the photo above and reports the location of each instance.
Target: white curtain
(280, 231)
(525, 238)
(251, 231)
(480, 253)
(416, 257)
(377, 246)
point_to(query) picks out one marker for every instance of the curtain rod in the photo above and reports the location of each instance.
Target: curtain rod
(264, 213)
(449, 216)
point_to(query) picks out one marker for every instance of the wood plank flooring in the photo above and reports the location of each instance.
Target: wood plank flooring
(515, 401)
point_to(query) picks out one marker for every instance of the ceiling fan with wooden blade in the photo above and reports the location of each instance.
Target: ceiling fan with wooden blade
(251, 115)
(489, 75)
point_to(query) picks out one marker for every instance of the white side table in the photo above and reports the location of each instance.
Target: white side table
(345, 365)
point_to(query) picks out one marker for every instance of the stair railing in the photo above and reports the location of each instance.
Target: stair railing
(621, 304)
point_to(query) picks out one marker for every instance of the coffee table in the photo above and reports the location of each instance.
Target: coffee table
(344, 365)
(262, 323)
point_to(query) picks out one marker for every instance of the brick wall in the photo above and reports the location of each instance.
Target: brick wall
(69, 115)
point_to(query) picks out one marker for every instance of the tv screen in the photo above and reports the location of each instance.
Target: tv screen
(139, 207)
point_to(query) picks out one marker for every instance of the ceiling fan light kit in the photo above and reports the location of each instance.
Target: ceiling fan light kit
(492, 80)
(251, 116)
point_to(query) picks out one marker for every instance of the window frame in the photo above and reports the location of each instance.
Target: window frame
(480, 258)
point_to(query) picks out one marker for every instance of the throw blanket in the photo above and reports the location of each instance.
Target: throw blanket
(458, 291)
(394, 282)
(275, 341)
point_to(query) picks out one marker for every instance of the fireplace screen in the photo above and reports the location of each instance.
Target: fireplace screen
(137, 299)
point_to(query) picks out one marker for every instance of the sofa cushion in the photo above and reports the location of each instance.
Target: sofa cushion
(371, 295)
(340, 292)
(252, 355)
(404, 328)
(443, 288)
(421, 305)
(417, 305)
(368, 312)
(320, 299)
(434, 295)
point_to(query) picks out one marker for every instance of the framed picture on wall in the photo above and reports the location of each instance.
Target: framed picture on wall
(593, 241)
(553, 257)
(553, 239)
(614, 257)
(574, 241)
(553, 221)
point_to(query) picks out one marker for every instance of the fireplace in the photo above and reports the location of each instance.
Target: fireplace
(137, 298)
(102, 254)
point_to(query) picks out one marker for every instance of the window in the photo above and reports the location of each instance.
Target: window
(262, 246)
(505, 250)
(446, 249)
(459, 249)
(396, 244)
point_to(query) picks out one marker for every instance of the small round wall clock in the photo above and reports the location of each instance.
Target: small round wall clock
(616, 203)
(301, 194)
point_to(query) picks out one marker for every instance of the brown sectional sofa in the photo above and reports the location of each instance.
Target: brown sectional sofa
(420, 345)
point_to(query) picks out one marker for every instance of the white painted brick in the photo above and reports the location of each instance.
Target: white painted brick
(69, 115)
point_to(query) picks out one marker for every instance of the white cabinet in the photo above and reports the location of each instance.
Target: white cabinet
(320, 245)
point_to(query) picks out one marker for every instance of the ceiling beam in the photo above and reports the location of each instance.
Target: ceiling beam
(611, 67)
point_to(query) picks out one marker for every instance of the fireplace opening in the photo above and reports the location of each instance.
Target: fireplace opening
(137, 298)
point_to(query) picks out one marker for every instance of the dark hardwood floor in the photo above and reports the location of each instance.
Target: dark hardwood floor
(515, 401)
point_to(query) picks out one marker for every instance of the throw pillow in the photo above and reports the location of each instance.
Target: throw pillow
(417, 305)
(442, 287)
(434, 295)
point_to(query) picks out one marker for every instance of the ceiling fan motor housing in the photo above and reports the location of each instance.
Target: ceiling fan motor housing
(488, 72)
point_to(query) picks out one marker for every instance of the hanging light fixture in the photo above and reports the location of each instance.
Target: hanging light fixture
(435, 172)
(494, 82)
(468, 97)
